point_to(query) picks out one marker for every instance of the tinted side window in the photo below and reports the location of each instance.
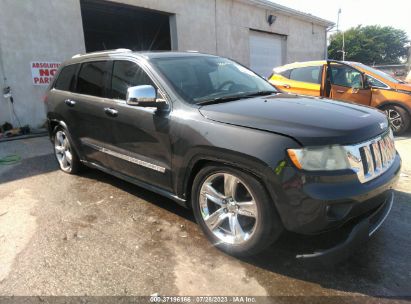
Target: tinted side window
(286, 73)
(307, 74)
(91, 78)
(66, 78)
(127, 74)
(346, 76)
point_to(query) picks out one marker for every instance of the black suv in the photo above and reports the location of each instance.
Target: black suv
(215, 137)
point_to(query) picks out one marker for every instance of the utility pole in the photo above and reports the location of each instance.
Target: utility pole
(343, 46)
(338, 20)
(343, 35)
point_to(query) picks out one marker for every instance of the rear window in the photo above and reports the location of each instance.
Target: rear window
(307, 74)
(91, 78)
(66, 78)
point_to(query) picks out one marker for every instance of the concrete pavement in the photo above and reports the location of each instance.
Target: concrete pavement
(96, 235)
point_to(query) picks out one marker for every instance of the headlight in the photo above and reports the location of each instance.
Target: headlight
(327, 158)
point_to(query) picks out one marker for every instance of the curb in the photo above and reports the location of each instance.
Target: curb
(40, 134)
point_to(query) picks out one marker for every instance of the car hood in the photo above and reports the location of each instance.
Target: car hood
(311, 121)
(403, 86)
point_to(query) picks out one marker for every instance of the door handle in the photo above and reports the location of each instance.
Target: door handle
(70, 102)
(111, 112)
(286, 86)
(340, 91)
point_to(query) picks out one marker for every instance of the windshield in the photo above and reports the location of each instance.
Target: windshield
(379, 73)
(198, 79)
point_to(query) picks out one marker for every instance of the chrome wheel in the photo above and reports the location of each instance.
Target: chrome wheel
(395, 119)
(228, 208)
(63, 151)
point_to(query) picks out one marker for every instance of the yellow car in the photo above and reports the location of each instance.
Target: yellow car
(351, 82)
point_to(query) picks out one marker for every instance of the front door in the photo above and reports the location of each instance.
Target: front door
(346, 84)
(140, 143)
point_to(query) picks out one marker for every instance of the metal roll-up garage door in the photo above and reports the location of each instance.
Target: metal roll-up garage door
(266, 52)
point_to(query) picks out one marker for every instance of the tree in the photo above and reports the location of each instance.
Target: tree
(372, 44)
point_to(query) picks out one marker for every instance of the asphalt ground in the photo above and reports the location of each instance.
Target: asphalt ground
(95, 235)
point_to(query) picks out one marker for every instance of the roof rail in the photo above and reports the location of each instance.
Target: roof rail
(103, 52)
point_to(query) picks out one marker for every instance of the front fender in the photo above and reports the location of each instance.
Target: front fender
(260, 153)
(403, 105)
(201, 155)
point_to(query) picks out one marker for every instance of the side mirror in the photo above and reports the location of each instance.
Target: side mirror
(144, 96)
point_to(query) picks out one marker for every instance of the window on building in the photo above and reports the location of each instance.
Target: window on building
(307, 74)
(127, 74)
(91, 78)
(66, 78)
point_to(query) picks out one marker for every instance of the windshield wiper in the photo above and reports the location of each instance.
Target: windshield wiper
(260, 93)
(235, 97)
(220, 100)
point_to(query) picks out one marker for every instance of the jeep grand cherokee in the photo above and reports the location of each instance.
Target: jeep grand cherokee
(215, 137)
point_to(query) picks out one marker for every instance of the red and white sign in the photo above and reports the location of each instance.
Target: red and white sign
(43, 72)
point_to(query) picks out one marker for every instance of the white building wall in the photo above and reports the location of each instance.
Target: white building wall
(50, 30)
(222, 27)
(41, 30)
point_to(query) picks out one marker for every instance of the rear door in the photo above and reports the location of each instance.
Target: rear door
(89, 118)
(304, 80)
(61, 106)
(346, 84)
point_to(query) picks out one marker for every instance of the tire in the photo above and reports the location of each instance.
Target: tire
(64, 152)
(398, 117)
(221, 199)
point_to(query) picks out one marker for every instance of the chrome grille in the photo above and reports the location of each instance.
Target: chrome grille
(372, 158)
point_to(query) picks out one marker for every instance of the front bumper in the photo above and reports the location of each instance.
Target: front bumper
(312, 204)
(361, 230)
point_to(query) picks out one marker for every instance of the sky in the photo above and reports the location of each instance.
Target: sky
(395, 13)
